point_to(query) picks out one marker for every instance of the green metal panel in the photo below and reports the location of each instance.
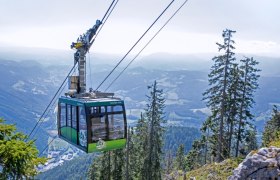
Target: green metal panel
(73, 102)
(70, 134)
(77, 102)
(109, 145)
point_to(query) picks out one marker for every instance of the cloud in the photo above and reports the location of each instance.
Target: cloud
(55, 24)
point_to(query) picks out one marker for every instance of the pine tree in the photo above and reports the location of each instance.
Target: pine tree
(94, 170)
(180, 161)
(272, 128)
(118, 164)
(233, 105)
(250, 142)
(216, 95)
(105, 165)
(18, 158)
(139, 148)
(249, 85)
(194, 157)
(155, 121)
(169, 162)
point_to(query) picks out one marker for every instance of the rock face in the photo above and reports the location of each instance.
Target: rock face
(265, 164)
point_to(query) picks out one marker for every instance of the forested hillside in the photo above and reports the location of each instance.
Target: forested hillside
(78, 167)
(74, 169)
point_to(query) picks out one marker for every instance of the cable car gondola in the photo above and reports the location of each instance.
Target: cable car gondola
(92, 121)
(92, 124)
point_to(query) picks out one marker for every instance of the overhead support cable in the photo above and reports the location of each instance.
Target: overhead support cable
(54, 102)
(135, 44)
(47, 145)
(105, 17)
(41, 117)
(146, 45)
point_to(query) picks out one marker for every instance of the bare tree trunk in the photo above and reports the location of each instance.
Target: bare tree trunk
(127, 155)
(241, 111)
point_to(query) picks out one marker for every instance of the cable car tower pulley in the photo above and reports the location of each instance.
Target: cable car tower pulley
(91, 120)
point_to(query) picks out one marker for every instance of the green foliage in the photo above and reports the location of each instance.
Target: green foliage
(75, 169)
(230, 99)
(272, 128)
(180, 159)
(215, 171)
(118, 164)
(109, 165)
(276, 141)
(217, 95)
(176, 135)
(155, 121)
(169, 163)
(143, 155)
(250, 142)
(18, 158)
(137, 148)
(249, 84)
(194, 158)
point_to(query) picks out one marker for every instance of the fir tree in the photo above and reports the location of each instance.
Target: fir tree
(169, 162)
(155, 121)
(272, 128)
(249, 85)
(118, 164)
(180, 161)
(105, 166)
(250, 140)
(139, 148)
(194, 159)
(216, 95)
(94, 170)
(233, 105)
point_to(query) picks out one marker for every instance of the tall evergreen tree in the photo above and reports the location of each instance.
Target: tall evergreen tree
(105, 166)
(194, 158)
(154, 117)
(233, 104)
(169, 162)
(180, 161)
(118, 164)
(250, 140)
(249, 85)
(272, 128)
(139, 148)
(216, 95)
(109, 165)
(94, 170)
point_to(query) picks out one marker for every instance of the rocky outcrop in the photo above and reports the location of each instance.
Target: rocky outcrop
(265, 164)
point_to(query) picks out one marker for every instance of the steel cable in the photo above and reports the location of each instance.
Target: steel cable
(135, 45)
(146, 45)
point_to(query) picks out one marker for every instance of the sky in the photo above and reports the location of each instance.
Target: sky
(55, 24)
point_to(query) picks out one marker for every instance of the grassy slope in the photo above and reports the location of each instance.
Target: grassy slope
(214, 171)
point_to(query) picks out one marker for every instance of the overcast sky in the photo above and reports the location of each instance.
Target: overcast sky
(55, 24)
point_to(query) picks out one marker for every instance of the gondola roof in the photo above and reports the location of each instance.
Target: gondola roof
(92, 101)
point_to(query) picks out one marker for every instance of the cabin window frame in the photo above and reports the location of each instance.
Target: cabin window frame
(91, 112)
(62, 119)
(79, 126)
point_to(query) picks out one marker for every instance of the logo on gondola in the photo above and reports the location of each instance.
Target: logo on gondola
(100, 144)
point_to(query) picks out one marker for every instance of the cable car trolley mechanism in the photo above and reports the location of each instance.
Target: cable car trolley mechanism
(92, 121)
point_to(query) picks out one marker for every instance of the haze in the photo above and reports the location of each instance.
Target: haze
(198, 26)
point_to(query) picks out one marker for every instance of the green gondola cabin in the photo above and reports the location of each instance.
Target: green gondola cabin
(93, 121)
(92, 124)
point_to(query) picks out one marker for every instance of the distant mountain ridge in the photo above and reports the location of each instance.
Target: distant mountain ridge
(27, 87)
